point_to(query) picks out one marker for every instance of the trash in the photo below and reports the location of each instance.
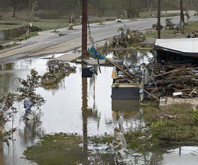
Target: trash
(127, 37)
(171, 79)
(119, 141)
(33, 28)
(94, 54)
(175, 73)
(86, 72)
(169, 24)
(177, 94)
(56, 71)
(179, 26)
(27, 105)
(192, 35)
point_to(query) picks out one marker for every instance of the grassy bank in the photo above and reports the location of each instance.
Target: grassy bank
(177, 124)
(56, 149)
(171, 33)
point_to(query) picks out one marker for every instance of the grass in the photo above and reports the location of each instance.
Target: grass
(171, 33)
(49, 24)
(26, 36)
(56, 149)
(176, 123)
(23, 37)
(146, 14)
(62, 149)
(44, 24)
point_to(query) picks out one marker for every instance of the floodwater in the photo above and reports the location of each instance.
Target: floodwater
(64, 111)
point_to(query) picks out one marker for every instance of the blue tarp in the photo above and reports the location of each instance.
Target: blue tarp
(94, 54)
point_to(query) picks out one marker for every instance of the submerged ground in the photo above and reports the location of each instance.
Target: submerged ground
(80, 122)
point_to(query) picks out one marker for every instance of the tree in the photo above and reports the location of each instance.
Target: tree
(150, 4)
(32, 5)
(181, 11)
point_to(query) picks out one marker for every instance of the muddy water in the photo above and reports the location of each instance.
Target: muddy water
(75, 106)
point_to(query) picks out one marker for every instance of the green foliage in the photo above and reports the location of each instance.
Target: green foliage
(26, 36)
(194, 116)
(101, 139)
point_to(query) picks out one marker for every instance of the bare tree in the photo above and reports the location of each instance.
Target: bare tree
(150, 4)
(15, 3)
(181, 11)
(32, 4)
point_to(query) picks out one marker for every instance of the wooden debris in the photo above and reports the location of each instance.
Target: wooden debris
(169, 79)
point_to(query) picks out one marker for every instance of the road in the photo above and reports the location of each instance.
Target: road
(66, 40)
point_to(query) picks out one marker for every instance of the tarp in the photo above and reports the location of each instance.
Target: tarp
(94, 54)
(185, 47)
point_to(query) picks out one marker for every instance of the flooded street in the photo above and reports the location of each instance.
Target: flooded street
(78, 106)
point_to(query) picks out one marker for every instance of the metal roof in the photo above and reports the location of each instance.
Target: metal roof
(186, 46)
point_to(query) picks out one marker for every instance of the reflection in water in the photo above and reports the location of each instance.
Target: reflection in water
(137, 58)
(32, 129)
(182, 156)
(8, 66)
(92, 113)
(1, 154)
(84, 118)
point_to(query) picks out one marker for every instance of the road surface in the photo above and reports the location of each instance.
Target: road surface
(66, 40)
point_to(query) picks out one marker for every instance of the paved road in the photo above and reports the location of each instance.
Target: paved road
(50, 43)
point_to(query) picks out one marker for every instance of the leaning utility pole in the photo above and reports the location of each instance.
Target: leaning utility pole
(181, 11)
(158, 22)
(84, 29)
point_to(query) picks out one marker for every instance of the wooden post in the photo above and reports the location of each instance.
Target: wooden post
(159, 15)
(84, 28)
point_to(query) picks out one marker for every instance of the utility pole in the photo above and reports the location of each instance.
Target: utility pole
(181, 11)
(84, 29)
(159, 15)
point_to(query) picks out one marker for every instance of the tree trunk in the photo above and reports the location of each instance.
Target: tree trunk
(15, 2)
(1, 154)
(149, 7)
(181, 11)
(31, 9)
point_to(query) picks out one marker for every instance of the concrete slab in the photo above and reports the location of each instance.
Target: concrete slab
(68, 57)
(166, 101)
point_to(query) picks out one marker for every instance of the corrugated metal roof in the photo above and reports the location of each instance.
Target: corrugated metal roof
(186, 46)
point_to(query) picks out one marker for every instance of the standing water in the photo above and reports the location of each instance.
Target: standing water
(64, 112)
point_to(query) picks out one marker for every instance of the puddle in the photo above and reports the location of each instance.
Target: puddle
(76, 106)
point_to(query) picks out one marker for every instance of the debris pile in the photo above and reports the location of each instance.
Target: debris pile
(56, 71)
(33, 28)
(192, 35)
(127, 37)
(155, 26)
(119, 141)
(174, 80)
(169, 24)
